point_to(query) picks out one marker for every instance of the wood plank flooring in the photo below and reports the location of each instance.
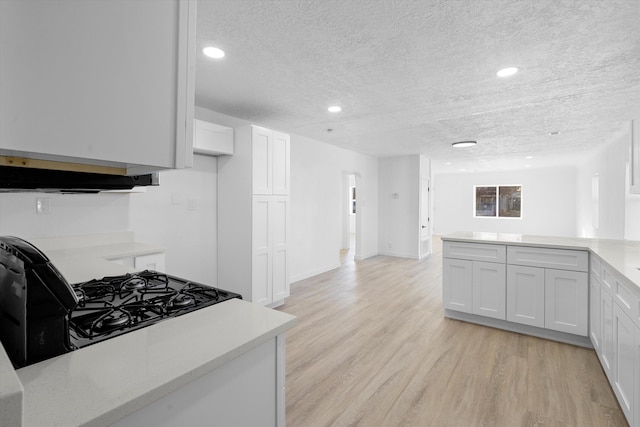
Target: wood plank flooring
(372, 348)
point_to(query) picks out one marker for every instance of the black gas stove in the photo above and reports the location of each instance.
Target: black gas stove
(42, 316)
(112, 306)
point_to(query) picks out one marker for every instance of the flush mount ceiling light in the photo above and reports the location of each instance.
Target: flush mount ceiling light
(463, 144)
(506, 72)
(334, 109)
(213, 52)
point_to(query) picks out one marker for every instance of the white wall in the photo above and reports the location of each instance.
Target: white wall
(548, 202)
(619, 211)
(71, 214)
(317, 200)
(160, 215)
(398, 206)
(180, 214)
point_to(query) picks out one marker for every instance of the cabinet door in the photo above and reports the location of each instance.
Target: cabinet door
(595, 316)
(153, 262)
(98, 95)
(212, 139)
(636, 379)
(262, 160)
(489, 289)
(279, 228)
(606, 313)
(457, 281)
(261, 266)
(566, 297)
(281, 168)
(624, 331)
(525, 295)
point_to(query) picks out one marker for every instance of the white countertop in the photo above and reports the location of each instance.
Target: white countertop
(621, 255)
(99, 384)
(82, 258)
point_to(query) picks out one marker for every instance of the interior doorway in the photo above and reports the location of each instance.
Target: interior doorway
(350, 214)
(425, 217)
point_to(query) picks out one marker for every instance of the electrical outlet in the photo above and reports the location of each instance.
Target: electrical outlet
(43, 205)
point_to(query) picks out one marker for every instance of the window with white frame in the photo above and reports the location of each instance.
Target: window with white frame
(497, 201)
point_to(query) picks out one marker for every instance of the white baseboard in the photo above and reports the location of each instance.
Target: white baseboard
(398, 254)
(314, 272)
(369, 255)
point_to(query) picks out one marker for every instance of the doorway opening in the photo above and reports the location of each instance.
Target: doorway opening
(350, 214)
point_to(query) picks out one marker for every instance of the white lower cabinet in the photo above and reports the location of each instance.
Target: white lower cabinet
(636, 379)
(595, 316)
(525, 295)
(539, 287)
(149, 262)
(457, 279)
(606, 355)
(474, 287)
(615, 335)
(489, 289)
(624, 332)
(548, 298)
(566, 301)
(144, 262)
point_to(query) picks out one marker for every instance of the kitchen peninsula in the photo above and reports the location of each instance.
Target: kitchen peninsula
(224, 362)
(576, 290)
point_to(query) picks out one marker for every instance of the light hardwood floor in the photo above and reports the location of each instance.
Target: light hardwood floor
(372, 348)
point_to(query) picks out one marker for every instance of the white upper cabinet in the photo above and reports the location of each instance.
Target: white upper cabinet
(98, 82)
(212, 139)
(281, 169)
(270, 162)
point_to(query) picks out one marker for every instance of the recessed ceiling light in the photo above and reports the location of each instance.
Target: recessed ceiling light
(554, 133)
(334, 109)
(506, 72)
(529, 157)
(527, 166)
(447, 163)
(463, 144)
(213, 52)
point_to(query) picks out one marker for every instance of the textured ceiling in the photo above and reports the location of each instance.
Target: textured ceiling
(413, 76)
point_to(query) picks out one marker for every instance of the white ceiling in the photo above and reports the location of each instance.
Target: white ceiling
(413, 76)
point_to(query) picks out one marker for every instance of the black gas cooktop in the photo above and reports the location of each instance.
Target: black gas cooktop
(112, 306)
(42, 315)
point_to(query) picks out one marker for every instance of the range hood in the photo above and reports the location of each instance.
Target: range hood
(21, 179)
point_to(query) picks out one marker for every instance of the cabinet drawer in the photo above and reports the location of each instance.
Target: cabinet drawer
(595, 266)
(625, 296)
(562, 259)
(474, 251)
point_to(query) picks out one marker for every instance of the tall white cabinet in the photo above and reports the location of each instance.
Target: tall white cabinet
(254, 216)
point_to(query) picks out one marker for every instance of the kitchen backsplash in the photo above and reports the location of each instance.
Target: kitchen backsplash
(179, 214)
